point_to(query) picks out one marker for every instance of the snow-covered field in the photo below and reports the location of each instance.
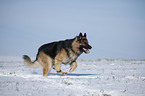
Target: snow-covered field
(91, 78)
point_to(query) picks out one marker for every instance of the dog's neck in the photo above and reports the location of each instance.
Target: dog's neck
(75, 46)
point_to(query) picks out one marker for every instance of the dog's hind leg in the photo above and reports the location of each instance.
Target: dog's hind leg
(73, 66)
(46, 67)
(45, 71)
(46, 63)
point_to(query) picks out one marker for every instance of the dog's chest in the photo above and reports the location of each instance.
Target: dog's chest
(71, 57)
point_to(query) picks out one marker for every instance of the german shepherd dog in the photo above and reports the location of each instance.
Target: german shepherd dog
(57, 53)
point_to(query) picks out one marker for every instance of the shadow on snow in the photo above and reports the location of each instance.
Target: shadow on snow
(71, 74)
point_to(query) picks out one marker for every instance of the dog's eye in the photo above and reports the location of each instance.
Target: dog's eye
(84, 39)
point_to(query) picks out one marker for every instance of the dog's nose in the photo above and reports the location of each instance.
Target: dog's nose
(90, 47)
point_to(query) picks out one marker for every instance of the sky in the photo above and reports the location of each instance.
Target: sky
(115, 28)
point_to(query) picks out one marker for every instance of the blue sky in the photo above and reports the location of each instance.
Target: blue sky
(115, 28)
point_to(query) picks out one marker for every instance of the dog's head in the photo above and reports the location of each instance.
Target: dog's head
(83, 43)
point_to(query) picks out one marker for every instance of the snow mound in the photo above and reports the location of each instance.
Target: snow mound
(91, 78)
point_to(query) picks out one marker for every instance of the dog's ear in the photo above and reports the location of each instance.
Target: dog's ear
(80, 35)
(85, 35)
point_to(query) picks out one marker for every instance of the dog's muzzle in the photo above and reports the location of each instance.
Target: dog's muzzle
(86, 48)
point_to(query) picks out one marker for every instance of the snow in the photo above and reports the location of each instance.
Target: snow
(91, 78)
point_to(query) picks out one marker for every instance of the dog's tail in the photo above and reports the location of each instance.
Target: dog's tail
(30, 64)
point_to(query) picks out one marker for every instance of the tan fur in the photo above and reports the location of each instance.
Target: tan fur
(75, 46)
(73, 67)
(59, 60)
(46, 62)
(61, 55)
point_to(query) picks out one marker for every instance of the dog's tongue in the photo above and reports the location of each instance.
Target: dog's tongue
(87, 51)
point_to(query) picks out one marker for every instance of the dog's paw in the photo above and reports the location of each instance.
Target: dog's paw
(62, 73)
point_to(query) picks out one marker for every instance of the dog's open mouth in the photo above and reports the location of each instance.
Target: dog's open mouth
(86, 50)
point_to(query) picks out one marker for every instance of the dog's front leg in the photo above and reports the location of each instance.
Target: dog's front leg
(73, 66)
(57, 67)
